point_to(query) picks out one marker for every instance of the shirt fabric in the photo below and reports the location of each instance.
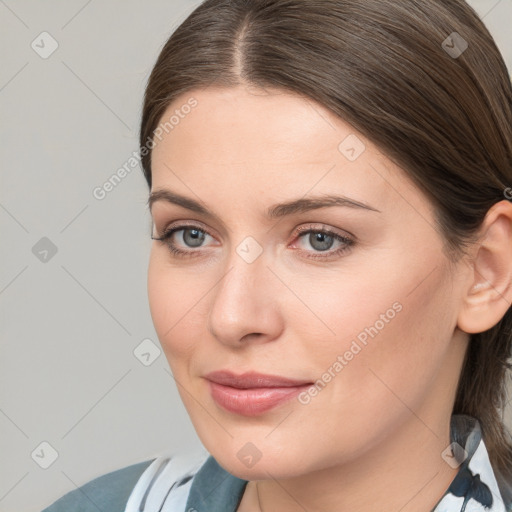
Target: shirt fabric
(197, 483)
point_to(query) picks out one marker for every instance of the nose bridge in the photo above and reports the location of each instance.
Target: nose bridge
(246, 266)
(246, 271)
(242, 302)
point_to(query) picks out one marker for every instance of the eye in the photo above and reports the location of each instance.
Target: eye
(191, 236)
(321, 240)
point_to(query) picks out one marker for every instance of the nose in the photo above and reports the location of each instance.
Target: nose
(245, 306)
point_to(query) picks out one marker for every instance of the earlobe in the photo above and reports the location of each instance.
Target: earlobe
(489, 292)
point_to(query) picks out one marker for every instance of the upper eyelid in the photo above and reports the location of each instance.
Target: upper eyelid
(185, 225)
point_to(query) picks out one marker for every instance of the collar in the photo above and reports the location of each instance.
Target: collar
(474, 488)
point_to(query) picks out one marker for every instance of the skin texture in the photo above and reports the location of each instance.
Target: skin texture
(376, 432)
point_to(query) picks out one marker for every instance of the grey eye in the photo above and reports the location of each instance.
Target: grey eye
(320, 241)
(195, 239)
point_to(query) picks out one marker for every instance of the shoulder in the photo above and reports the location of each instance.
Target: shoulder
(107, 492)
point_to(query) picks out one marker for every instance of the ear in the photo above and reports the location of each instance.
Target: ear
(488, 294)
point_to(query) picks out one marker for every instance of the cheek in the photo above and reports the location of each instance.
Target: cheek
(390, 346)
(349, 311)
(393, 320)
(171, 300)
(397, 345)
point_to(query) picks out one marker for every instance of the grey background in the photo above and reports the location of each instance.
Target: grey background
(71, 321)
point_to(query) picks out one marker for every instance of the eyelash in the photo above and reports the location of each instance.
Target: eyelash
(301, 231)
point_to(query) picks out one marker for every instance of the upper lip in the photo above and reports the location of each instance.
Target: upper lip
(252, 380)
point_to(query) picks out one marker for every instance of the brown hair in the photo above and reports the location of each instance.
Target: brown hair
(380, 65)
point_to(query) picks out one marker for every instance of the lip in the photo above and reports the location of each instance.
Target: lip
(252, 393)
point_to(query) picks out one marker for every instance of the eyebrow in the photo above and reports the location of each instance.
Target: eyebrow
(276, 211)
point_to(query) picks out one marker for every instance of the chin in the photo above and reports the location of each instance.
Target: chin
(262, 470)
(262, 466)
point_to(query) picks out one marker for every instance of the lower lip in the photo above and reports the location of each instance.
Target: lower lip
(253, 401)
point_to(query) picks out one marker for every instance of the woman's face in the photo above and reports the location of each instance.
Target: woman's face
(363, 316)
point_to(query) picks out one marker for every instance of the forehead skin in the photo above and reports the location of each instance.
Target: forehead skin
(257, 148)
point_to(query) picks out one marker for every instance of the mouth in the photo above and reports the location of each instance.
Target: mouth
(251, 394)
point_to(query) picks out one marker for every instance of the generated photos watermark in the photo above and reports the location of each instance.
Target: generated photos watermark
(101, 192)
(355, 348)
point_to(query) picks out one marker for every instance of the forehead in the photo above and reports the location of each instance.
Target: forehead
(244, 143)
(249, 124)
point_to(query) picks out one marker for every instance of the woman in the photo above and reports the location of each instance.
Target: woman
(331, 271)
